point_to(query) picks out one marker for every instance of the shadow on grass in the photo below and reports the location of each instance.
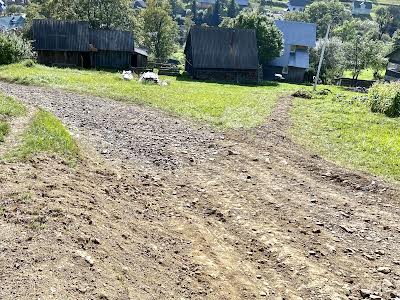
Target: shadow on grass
(187, 78)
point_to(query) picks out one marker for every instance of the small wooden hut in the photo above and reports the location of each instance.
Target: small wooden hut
(222, 54)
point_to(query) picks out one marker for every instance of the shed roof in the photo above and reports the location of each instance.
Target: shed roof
(111, 40)
(301, 3)
(298, 33)
(60, 35)
(223, 48)
(358, 3)
(394, 56)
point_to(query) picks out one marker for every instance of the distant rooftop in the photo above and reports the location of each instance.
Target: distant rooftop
(298, 33)
(299, 2)
(358, 3)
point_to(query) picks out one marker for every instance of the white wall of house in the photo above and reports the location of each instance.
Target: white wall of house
(361, 10)
(295, 8)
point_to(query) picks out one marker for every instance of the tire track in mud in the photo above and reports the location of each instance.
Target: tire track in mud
(263, 217)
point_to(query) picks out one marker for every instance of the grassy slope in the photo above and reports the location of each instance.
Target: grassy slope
(9, 108)
(226, 105)
(46, 134)
(350, 134)
(367, 74)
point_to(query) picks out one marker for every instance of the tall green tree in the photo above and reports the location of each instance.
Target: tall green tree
(322, 12)
(269, 37)
(160, 31)
(231, 13)
(194, 12)
(216, 14)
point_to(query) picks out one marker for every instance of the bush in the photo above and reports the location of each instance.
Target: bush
(385, 98)
(13, 48)
(302, 94)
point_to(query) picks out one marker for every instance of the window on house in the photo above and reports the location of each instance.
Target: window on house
(293, 49)
(285, 70)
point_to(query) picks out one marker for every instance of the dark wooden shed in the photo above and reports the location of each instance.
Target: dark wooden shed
(222, 54)
(393, 67)
(61, 43)
(112, 48)
(74, 43)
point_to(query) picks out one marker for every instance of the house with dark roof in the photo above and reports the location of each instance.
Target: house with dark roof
(222, 54)
(393, 67)
(74, 43)
(298, 38)
(12, 23)
(360, 8)
(297, 5)
(203, 4)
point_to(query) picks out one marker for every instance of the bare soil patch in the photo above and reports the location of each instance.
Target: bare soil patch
(178, 211)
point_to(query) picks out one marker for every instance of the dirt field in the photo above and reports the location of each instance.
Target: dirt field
(161, 208)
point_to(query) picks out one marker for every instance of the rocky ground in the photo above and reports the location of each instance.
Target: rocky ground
(162, 208)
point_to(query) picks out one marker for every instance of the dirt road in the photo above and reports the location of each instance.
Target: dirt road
(162, 208)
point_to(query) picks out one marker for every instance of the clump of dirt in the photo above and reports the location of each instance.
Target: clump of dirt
(303, 94)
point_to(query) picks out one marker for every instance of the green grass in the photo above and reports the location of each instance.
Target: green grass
(9, 108)
(349, 133)
(225, 105)
(4, 129)
(367, 74)
(46, 134)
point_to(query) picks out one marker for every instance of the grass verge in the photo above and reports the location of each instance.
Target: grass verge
(9, 107)
(46, 134)
(349, 133)
(225, 105)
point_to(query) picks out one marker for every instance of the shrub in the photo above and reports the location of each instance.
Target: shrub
(13, 48)
(385, 98)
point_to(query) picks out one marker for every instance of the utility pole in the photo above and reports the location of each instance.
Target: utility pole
(322, 57)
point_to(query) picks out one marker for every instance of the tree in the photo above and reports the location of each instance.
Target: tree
(231, 13)
(13, 48)
(396, 38)
(216, 14)
(388, 19)
(334, 59)
(323, 12)
(116, 14)
(14, 9)
(159, 29)
(269, 37)
(194, 12)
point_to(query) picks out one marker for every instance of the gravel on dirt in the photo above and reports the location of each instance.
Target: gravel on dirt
(236, 222)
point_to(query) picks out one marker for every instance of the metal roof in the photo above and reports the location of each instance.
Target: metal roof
(60, 35)
(301, 3)
(357, 4)
(298, 33)
(222, 48)
(141, 51)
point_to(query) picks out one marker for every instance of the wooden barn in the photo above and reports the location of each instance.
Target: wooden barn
(393, 67)
(222, 54)
(74, 43)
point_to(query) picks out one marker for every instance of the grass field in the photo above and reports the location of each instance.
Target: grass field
(367, 74)
(226, 105)
(349, 133)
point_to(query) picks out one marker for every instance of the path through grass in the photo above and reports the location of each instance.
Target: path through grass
(225, 105)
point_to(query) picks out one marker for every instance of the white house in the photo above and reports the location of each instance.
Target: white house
(360, 7)
(297, 5)
(2, 6)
